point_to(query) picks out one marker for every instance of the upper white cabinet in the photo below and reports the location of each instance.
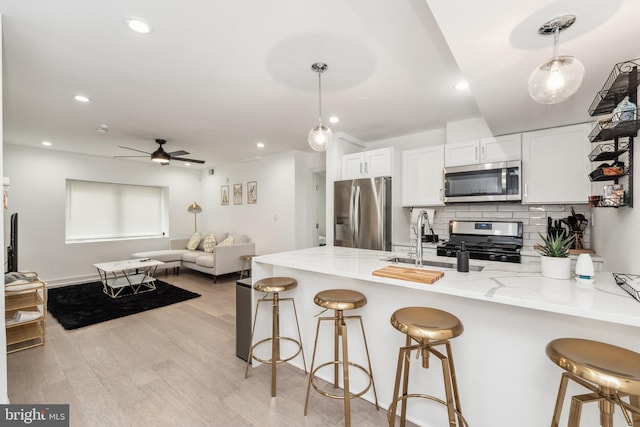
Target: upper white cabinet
(462, 153)
(422, 180)
(501, 148)
(486, 150)
(555, 166)
(367, 163)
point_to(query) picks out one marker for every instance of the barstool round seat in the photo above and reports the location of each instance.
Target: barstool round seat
(340, 299)
(603, 364)
(425, 324)
(275, 284)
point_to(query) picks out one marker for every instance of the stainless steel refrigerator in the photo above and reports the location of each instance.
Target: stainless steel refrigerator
(362, 213)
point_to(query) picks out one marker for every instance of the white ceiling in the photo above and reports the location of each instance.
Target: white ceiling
(216, 77)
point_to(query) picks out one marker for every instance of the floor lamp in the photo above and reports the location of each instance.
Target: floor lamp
(195, 209)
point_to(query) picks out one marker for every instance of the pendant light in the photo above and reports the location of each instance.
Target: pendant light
(558, 78)
(319, 135)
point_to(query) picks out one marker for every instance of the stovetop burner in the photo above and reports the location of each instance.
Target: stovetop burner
(487, 240)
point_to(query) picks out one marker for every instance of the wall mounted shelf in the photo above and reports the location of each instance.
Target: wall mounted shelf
(622, 82)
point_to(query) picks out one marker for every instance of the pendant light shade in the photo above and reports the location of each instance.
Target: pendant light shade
(320, 135)
(558, 78)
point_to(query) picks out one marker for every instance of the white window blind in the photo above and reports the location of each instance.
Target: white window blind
(106, 211)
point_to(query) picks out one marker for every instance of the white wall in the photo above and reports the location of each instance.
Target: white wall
(280, 220)
(616, 232)
(38, 194)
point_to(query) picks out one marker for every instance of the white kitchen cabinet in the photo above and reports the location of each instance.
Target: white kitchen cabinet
(462, 153)
(422, 179)
(367, 164)
(555, 166)
(503, 148)
(486, 150)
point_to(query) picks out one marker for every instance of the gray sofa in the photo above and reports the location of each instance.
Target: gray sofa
(224, 259)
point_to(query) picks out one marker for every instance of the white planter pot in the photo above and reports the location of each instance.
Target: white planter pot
(555, 268)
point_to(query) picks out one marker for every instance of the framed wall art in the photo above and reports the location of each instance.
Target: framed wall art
(252, 192)
(224, 195)
(237, 194)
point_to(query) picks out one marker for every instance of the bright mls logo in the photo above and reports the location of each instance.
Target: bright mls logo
(35, 415)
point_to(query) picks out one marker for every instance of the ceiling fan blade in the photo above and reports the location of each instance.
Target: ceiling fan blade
(183, 159)
(133, 149)
(129, 156)
(178, 153)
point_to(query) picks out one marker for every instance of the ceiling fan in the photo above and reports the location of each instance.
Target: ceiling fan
(161, 156)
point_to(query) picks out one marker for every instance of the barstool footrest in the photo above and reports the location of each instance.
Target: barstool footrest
(340, 396)
(266, 340)
(433, 398)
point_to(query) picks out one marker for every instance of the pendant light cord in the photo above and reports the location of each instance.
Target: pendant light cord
(320, 96)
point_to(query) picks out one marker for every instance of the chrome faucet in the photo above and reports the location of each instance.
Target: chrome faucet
(421, 217)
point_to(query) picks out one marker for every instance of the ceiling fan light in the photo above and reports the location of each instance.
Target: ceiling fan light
(160, 156)
(556, 80)
(319, 137)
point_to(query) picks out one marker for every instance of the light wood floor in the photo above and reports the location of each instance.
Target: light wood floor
(173, 366)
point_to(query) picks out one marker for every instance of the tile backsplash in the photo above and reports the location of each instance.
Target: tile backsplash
(533, 218)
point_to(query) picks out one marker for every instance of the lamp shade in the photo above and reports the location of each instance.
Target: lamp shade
(556, 79)
(194, 208)
(319, 137)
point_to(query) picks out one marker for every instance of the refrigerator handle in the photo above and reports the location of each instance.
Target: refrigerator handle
(356, 218)
(351, 214)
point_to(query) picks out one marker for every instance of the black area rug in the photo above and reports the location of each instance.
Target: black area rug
(82, 305)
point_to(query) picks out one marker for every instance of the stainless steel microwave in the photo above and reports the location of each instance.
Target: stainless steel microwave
(486, 182)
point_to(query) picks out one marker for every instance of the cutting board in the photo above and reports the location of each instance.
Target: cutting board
(571, 251)
(411, 274)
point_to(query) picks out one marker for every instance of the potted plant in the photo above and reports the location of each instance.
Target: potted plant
(555, 262)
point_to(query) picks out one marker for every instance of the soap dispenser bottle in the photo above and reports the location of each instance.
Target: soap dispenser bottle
(463, 258)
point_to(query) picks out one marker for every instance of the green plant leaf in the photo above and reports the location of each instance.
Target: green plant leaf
(556, 246)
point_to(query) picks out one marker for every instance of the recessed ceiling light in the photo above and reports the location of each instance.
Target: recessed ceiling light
(81, 98)
(260, 145)
(333, 119)
(462, 85)
(47, 143)
(102, 129)
(187, 164)
(139, 26)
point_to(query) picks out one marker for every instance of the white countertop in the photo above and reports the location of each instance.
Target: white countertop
(503, 283)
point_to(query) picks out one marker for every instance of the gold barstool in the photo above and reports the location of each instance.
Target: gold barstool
(428, 327)
(610, 372)
(340, 300)
(275, 285)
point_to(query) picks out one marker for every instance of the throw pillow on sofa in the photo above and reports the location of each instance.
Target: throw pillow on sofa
(209, 243)
(227, 241)
(193, 241)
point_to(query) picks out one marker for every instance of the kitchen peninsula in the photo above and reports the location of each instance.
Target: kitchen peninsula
(509, 311)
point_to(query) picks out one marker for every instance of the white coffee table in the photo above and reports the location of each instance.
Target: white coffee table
(135, 274)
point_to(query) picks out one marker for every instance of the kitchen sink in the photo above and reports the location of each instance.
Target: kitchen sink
(441, 264)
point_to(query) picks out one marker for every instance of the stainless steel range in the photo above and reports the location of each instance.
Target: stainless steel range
(488, 240)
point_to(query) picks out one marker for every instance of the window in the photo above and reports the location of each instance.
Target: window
(106, 211)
